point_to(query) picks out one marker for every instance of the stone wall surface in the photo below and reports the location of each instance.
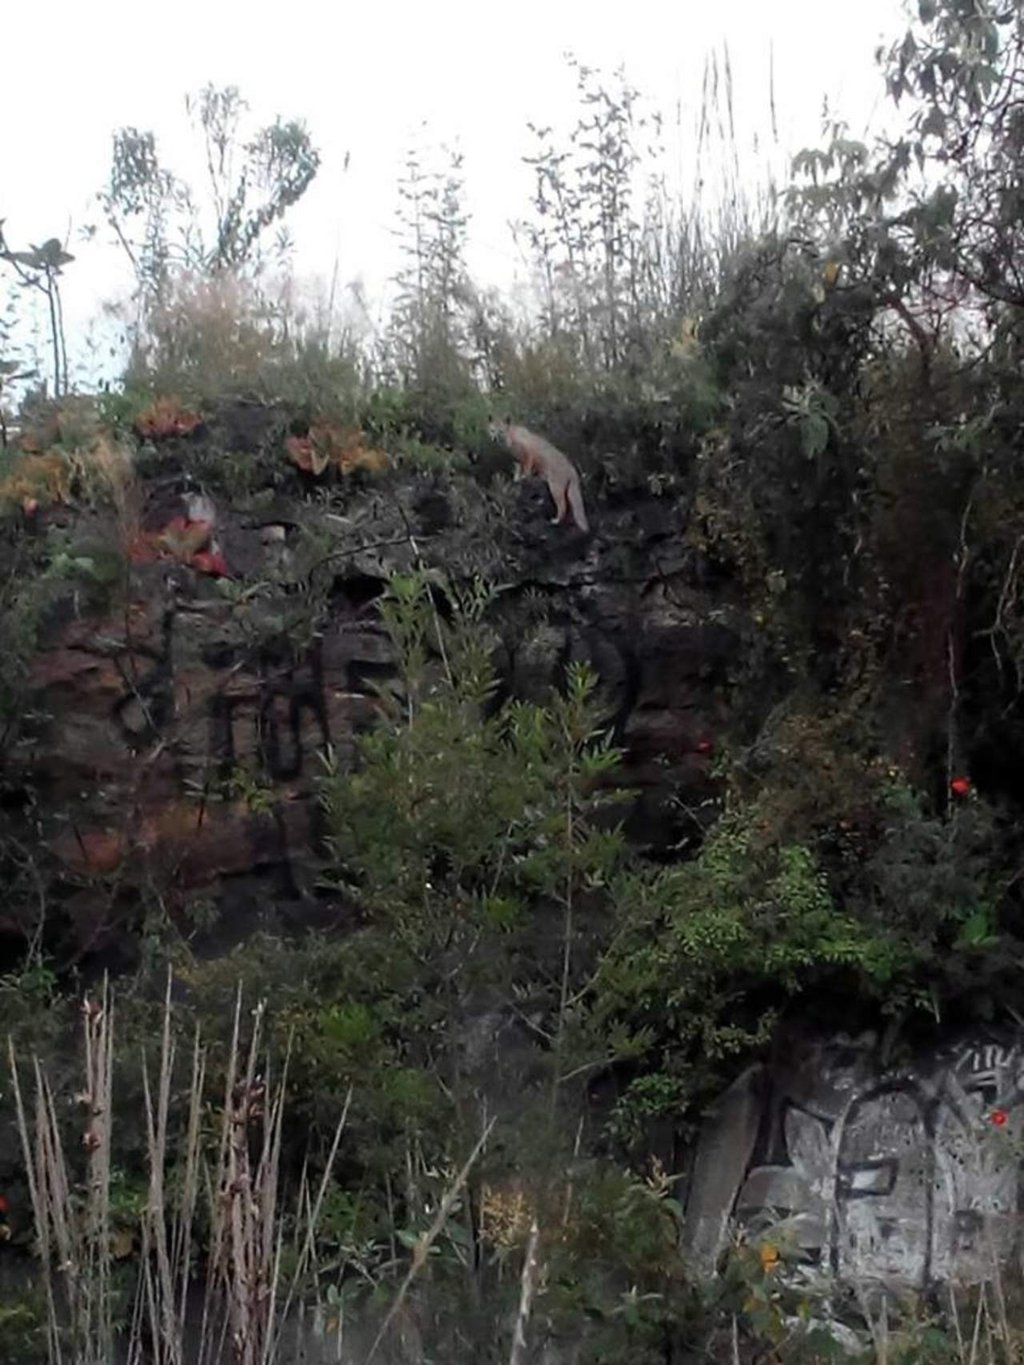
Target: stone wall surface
(908, 1174)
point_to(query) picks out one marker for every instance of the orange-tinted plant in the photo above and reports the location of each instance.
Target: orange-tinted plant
(166, 417)
(188, 542)
(343, 448)
(42, 479)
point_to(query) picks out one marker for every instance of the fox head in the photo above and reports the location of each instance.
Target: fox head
(497, 428)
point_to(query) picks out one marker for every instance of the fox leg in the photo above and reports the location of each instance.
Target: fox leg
(561, 498)
(574, 502)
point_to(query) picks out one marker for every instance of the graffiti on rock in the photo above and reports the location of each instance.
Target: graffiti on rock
(911, 1176)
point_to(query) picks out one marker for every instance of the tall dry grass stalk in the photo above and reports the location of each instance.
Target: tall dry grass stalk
(111, 467)
(231, 1184)
(73, 1224)
(527, 1288)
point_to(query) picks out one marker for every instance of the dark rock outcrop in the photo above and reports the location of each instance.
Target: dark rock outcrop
(148, 709)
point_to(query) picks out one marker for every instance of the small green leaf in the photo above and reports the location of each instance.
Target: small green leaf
(813, 434)
(977, 928)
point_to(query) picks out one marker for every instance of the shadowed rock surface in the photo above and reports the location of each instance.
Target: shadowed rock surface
(148, 705)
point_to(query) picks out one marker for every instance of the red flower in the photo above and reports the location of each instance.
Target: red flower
(705, 746)
(960, 786)
(998, 1117)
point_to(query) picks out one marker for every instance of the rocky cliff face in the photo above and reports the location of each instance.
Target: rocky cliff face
(176, 721)
(170, 761)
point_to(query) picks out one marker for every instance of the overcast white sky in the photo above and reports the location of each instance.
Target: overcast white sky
(366, 76)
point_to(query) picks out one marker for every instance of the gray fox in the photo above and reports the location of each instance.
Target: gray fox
(534, 455)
